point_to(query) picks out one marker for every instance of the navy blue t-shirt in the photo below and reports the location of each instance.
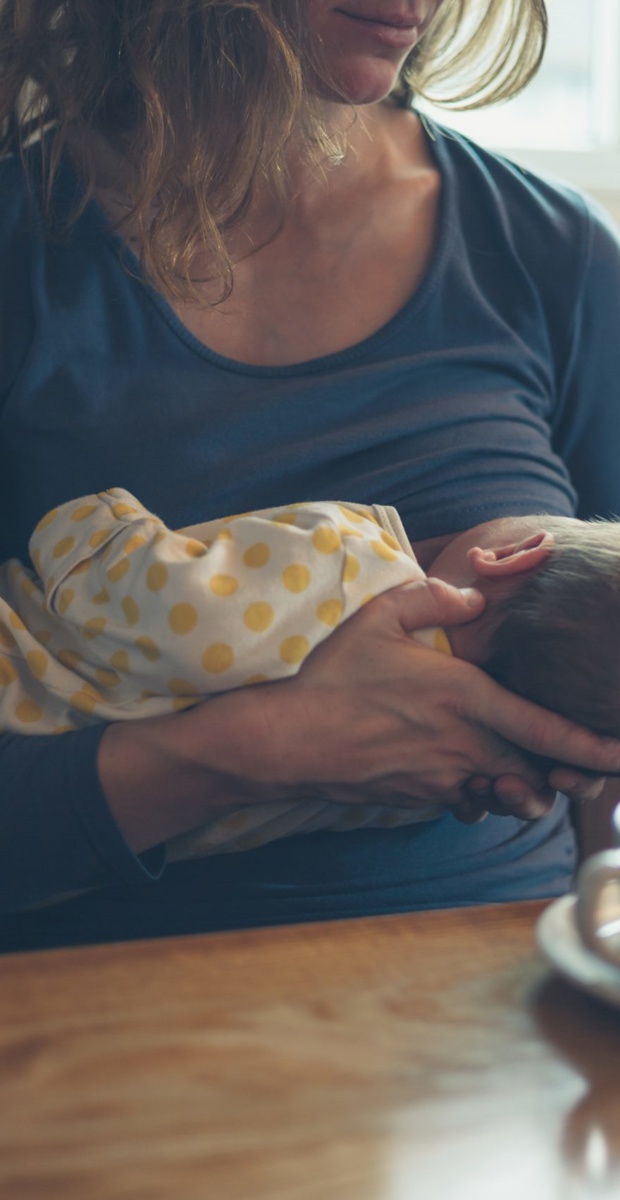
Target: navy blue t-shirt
(495, 390)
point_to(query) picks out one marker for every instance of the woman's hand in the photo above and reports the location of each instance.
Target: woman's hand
(372, 717)
(408, 726)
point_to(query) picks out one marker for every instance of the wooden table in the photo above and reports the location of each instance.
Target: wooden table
(421, 1057)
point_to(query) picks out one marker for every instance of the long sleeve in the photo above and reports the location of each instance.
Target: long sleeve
(56, 831)
(587, 423)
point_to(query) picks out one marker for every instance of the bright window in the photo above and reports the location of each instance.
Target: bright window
(567, 121)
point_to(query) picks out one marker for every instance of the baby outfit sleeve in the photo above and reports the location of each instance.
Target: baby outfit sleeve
(124, 618)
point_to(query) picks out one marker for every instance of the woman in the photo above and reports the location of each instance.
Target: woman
(245, 273)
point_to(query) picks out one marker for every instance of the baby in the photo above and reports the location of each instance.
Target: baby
(123, 618)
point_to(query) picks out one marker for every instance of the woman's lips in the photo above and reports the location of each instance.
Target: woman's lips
(390, 29)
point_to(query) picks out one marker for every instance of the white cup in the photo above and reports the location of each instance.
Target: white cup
(598, 899)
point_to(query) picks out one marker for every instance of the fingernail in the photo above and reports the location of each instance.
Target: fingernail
(472, 597)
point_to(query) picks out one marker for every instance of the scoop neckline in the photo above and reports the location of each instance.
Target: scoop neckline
(445, 229)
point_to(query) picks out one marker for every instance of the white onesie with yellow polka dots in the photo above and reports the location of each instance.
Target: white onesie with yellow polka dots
(122, 618)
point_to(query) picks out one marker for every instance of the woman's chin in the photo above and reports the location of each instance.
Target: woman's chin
(359, 84)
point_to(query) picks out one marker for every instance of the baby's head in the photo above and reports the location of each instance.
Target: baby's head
(551, 629)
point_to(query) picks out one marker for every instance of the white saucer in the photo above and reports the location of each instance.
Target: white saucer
(561, 943)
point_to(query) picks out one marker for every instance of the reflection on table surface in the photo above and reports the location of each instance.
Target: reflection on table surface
(428, 1055)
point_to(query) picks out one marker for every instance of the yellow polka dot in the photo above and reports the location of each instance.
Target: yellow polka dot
(64, 729)
(106, 678)
(367, 598)
(119, 569)
(346, 532)
(224, 536)
(69, 659)
(16, 621)
(285, 518)
(195, 548)
(7, 672)
(258, 616)
(235, 822)
(326, 539)
(63, 547)
(389, 820)
(120, 660)
(102, 597)
(255, 679)
(330, 612)
(134, 543)
(28, 587)
(81, 568)
(370, 516)
(43, 636)
(441, 642)
(296, 577)
(37, 662)
(97, 538)
(156, 577)
(83, 701)
(180, 687)
(182, 702)
(383, 551)
(350, 514)
(390, 540)
(64, 600)
(351, 568)
(257, 555)
(218, 658)
(182, 618)
(148, 648)
(27, 712)
(223, 585)
(294, 649)
(130, 610)
(93, 627)
(47, 519)
(6, 637)
(159, 537)
(84, 511)
(123, 510)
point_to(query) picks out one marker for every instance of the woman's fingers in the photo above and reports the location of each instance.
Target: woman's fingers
(433, 602)
(543, 733)
(577, 785)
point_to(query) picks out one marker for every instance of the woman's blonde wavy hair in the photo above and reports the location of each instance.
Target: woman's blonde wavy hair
(202, 97)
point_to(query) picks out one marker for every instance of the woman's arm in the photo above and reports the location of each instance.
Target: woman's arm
(587, 432)
(370, 713)
(371, 716)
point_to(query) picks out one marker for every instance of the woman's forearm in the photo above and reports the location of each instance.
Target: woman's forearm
(167, 775)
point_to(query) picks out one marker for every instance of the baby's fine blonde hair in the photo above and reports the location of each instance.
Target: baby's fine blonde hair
(558, 639)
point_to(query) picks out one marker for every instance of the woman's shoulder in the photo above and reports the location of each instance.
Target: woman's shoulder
(538, 229)
(546, 221)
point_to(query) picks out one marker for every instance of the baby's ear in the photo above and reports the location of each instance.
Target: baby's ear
(515, 559)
